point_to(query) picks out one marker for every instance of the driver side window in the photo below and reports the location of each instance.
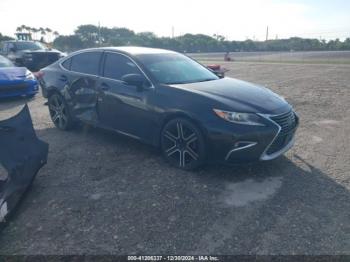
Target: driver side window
(117, 65)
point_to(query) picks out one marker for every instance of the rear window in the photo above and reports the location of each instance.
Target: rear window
(87, 63)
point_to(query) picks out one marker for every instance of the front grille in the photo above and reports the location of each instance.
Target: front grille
(288, 123)
(11, 88)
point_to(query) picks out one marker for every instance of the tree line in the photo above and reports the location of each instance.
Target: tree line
(40, 34)
(86, 36)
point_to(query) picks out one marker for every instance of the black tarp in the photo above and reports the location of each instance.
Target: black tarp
(22, 154)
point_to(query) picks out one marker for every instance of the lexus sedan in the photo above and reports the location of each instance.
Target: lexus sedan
(168, 100)
(16, 81)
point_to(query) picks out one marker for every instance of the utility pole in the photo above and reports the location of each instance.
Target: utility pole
(172, 32)
(267, 33)
(99, 33)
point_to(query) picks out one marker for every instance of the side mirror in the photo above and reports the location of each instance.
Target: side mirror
(219, 74)
(217, 70)
(134, 80)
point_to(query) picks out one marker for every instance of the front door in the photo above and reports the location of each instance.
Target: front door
(123, 107)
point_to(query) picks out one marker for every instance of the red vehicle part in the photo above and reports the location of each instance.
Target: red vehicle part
(218, 70)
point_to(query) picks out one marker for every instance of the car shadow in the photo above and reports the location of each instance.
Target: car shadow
(108, 193)
(11, 102)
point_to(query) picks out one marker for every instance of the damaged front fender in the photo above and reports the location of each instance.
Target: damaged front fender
(22, 154)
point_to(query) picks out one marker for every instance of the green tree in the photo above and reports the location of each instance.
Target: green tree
(91, 35)
(5, 37)
(68, 43)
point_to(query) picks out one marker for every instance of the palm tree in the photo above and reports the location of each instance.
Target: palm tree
(27, 28)
(42, 33)
(49, 33)
(35, 32)
(56, 34)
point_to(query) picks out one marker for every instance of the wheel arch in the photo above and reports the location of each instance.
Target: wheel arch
(51, 91)
(170, 116)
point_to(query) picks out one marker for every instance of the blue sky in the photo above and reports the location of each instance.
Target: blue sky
(236, 20)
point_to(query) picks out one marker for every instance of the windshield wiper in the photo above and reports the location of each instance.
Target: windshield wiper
(206, 80)
(190, 82)
(177, 83)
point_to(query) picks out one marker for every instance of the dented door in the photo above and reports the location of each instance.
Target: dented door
(83, 97)
(80, 84)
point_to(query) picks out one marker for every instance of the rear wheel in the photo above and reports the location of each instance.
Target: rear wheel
(182, 144)
(59, 112)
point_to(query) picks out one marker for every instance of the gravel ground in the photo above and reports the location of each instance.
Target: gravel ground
(317, 57)
(102, 193)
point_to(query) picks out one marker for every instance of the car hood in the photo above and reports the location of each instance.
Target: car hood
(12, 73)
(239, 95)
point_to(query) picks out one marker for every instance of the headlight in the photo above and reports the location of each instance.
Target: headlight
(29, 75)
(239, 118)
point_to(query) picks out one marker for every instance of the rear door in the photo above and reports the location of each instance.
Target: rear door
(120, 106)
(80, 79)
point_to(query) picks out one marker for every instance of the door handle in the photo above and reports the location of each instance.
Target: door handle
(104, 87)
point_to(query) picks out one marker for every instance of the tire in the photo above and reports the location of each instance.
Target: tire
(182, 144)
(59, 112)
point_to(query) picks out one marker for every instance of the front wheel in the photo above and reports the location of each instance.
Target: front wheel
(59, 112)
(182, 144)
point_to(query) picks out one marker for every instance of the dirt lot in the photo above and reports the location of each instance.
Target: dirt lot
(313, 57)
(102, 193)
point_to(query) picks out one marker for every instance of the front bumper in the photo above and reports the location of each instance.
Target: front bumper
(234, 143)
(22, 154)
(22, 88)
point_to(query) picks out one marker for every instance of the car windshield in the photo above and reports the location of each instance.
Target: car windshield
(29, 46)
(173, 68)
(4, 62)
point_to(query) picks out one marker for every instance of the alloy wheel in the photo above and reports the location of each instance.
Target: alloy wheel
(58, 111)
(182, 144)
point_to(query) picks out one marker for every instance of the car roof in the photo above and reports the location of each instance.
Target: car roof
(134, 50)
